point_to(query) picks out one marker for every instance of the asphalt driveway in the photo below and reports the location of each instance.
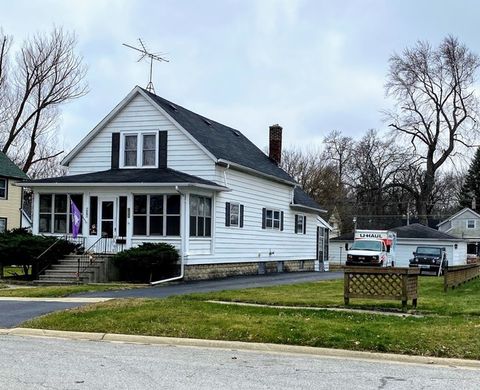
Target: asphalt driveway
(13, 313)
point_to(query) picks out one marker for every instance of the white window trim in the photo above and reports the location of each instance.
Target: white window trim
(299, 217)
(164, 215)
(273, 219)
(5, 180)
(6, 221)
(474, 224)
(139, 135)
(53, 213)
(237, 225)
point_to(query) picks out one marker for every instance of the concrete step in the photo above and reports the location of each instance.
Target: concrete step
(74, 267)
(49, 282)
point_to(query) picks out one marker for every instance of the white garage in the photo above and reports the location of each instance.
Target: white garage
(408, 238)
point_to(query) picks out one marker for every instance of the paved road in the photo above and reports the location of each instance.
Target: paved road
(13, 313)
(38, 363)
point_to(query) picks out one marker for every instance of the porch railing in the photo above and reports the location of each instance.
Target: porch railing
(102, 246)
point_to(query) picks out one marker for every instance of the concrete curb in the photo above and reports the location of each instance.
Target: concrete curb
(244, 346)
(62, 300)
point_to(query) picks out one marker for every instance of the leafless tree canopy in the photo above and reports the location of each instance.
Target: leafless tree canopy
(44, 74)
(437, 108)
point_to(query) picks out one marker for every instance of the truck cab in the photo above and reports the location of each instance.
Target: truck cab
(372, 248)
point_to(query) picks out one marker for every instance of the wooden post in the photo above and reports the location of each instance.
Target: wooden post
(404, 292)
(346, 288)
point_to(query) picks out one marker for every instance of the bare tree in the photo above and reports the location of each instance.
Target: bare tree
(46, 74)
(339, 149)
(436, 108)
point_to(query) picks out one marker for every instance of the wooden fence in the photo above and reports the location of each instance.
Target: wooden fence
(458, 274)
(381, 283)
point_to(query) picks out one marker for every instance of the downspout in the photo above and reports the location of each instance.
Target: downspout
(225, 174)
(182, 258)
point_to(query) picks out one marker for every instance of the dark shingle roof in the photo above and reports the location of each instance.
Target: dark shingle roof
(9, 169)
(222, 141)
(133, 176)
(301, 198)
(415, 230)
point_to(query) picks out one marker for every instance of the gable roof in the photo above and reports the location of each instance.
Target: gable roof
(224, 144)
(456, 215)
(413, 231)
(140, 176)
(9, 169)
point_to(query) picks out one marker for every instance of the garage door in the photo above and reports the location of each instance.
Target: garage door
(405, 251)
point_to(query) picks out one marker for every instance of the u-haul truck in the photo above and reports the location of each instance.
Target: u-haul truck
(373, 248)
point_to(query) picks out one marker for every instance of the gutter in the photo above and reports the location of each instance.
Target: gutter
(182, 252)
(141, 184)
(301, 207)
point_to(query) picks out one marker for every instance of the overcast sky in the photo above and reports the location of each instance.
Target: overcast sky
(311, 66)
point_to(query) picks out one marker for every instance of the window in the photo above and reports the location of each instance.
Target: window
(3, 225)
(470, 224)
(300, 224)
(272, 219)
(139, 150)
(130, 151)
(156, 215)
(55, 212)
(200, 216)
(3, 188)
(234, 214)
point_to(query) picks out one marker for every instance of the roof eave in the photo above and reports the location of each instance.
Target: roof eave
(300, 207)
(125, 184)
(243, 168)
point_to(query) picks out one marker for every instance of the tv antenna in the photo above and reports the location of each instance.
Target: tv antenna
(145, 54)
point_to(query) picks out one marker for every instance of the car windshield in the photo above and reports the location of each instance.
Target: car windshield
(429, 251)
(366, 245)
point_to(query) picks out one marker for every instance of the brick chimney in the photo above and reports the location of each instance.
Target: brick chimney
(275, 147)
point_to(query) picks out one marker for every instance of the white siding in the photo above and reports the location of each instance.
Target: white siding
(139, 114)
(252, 243)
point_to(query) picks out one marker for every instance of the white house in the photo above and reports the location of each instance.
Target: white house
(465, 225)
(408, 238)
(154, 171)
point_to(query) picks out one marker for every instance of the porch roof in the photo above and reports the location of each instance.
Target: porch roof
(121, 177)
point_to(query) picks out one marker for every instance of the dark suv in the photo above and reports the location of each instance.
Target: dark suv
(429, 258)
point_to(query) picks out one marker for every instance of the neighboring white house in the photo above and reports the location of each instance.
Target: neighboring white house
(408, 238)
(153, 171)
(466, 225)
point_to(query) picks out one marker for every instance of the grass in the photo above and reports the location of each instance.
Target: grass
(452, 328)
(59, 291)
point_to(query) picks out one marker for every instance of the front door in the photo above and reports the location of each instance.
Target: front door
(108, 228)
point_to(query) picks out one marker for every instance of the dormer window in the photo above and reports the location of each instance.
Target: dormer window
(139, 150)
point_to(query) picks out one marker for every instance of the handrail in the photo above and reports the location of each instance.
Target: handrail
(43, 253)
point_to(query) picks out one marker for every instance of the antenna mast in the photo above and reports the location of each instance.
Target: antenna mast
(145, 54)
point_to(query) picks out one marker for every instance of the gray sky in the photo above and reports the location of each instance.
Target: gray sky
(311, 66)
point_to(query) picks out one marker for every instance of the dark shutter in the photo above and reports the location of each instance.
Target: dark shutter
(162, 149)
(115, 150)
(241, 215)
(304, 224)
(296, 223)
(264, 215)
(281, 221)
(227, 214)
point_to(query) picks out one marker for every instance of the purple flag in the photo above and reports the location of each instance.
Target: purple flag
(76, 219)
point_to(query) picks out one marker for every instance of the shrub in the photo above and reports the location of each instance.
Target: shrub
(20, 247)
(147, 262)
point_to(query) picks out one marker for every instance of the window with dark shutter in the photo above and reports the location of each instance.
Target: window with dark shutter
(272, 219)
(115, 150)
(300, 222)
(242, 211)
(264, 218)
(304, 224)
(227, 214)
(162, 149)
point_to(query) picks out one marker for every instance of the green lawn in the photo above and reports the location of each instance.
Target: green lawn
(60, 291)
(451, 327)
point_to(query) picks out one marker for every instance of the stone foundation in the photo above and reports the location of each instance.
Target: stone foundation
(224, 270)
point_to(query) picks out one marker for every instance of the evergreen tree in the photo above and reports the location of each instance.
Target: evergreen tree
(471, 186)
